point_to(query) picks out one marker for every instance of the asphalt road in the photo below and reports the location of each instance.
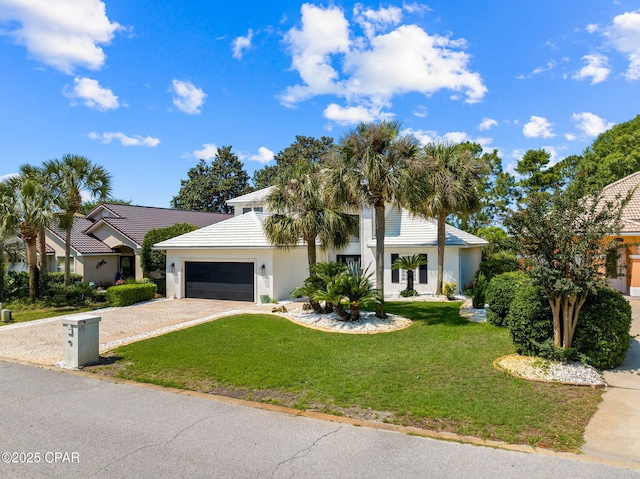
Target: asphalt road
(70, 426)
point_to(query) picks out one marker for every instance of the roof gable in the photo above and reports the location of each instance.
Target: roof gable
(620, 189)
(259, 196)
(244, 231)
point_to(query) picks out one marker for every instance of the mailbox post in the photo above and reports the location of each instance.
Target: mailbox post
(80, 340)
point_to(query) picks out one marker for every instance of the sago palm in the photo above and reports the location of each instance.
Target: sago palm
(74, 174)
(372, 165)
(409, 264)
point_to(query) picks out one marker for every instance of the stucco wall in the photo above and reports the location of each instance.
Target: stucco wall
(451, 269)
(469, 262)
(290, 269)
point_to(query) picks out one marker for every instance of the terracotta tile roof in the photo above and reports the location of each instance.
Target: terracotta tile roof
(136, 221)
(81, 242)
(631, 213)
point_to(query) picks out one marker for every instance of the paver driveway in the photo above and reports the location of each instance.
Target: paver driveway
(41, 341)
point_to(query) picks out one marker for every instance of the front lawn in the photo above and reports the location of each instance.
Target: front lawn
(21, 314)
(436, 374)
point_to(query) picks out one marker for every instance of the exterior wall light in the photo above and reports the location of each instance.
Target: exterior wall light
(263, 270)
(173, 268)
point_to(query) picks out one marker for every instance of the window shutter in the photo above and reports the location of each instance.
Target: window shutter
(422, 276)
(395, 273)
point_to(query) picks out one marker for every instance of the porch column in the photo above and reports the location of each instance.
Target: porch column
(634, 275)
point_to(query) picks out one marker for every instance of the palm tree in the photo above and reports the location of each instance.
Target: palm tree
(25, 206)
(74, 174)
(372, 164)
(409, 263)
(303, 211)
(451, 176)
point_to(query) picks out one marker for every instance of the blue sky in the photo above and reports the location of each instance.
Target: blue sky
(145, 88)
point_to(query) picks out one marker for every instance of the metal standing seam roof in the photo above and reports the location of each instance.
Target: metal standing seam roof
(241, 232)
(620, 189)
(135, 222)
(405, 229)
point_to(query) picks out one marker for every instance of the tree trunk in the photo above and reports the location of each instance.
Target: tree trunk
(410, 279)
(442, 237)
(67, 256)
(42, 261)
(557, 322)
(354, 311)
(34, 280)
(340, 311)
(380, 230)
(311, 252)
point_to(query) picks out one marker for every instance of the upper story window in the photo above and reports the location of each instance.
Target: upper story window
(257, 209)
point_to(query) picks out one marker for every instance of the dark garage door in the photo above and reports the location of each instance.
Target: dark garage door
(233, 281)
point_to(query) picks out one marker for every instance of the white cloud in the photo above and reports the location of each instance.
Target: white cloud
(538, 127)
(420, 111)
(592, 28)
(208, 151)
(571, 137)
(553, 155)
(188, 98)
(265, 155)
(373, 21)
(241, 44)
(92, 94)
(415, 7)
(135, 140)
(64, 34)
(423, 136)
(597, 68)
(368, 71)
(429, 136)
(487, 123)
(590, 124)
(624, 35)
(4, 178)
(351, 115)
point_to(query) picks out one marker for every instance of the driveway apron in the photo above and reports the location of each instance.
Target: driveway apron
(41, 341)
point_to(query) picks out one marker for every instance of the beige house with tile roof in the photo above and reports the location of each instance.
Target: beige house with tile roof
(234, 259)
(109, 239)
(625, 275)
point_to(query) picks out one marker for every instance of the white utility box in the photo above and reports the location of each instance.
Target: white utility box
(6, 316)
(80, 340)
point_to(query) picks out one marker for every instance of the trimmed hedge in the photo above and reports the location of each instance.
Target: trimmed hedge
(530, 321)
(602, 334)
(498, 263)
(126, 294)
(58, 277)
(499, 295)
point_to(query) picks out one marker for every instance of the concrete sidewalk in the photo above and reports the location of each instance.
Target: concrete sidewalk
(40, 341)
(614, 431)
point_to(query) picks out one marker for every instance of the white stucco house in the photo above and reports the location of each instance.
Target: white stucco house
(234, 260)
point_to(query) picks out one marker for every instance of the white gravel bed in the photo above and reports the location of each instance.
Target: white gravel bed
(367, 324)
(544, 370)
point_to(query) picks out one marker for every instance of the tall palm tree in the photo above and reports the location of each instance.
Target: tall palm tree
(451, 177)
(372, 164)
(73, 174)
(25, 206)
(303, 211)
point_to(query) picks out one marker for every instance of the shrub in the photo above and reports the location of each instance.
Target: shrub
(449, 289)
(75, 295)
(530, 321)
(480, 292)
(58, 278)
(602, 334)
(126, 294)
(161, 283)
(406, 293)
(498, 263)
(499, 295)
(16, 285)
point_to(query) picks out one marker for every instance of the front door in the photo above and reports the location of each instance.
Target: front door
(618, 276)
(128, 267)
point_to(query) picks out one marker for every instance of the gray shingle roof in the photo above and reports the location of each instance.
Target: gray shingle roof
(631, 213)
(136, 221)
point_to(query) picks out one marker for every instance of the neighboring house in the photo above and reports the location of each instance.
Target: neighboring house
(234, 259)
(623, 264)
(15, 255)
(109, 239)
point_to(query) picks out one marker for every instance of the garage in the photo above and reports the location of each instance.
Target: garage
(220, 280)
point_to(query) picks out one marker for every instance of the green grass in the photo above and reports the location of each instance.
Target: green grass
(436, 374)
